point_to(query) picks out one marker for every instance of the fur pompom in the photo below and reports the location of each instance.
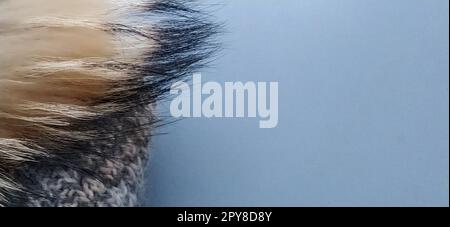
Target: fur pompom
(72, 74)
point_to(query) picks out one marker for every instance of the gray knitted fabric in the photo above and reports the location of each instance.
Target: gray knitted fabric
(117, 180)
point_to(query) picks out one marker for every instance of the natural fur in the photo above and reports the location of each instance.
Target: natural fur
(70, 68)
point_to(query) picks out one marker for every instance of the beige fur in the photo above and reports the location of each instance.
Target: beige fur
(47, 78)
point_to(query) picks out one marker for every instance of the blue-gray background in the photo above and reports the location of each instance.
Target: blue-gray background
(364, 101)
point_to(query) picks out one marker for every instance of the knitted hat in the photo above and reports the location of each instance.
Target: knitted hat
(78, 84)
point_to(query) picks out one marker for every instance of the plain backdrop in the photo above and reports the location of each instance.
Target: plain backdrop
(364, 109)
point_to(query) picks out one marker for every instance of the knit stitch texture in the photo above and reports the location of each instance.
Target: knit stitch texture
(116, 181)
